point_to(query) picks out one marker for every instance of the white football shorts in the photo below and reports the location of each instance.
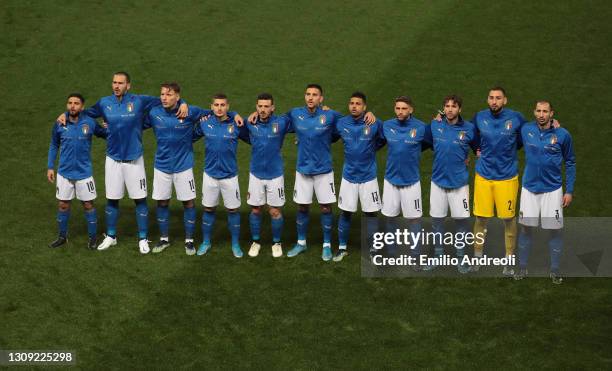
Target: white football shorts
(85, 189)
(458, 199)
(404, 199)
(321, 184)
(548, 206)
(228, 188)
(130, 174)
(183, 182)
(367, 194)
(266, 191)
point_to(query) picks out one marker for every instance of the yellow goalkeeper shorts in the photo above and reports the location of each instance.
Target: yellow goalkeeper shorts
(498, 193)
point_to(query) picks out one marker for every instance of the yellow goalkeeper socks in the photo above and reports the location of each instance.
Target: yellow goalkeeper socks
(480, 230)
(510, 235)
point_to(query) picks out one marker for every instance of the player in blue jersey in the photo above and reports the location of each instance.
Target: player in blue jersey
(496, 182)
(174, 162)
(314, 127)
(220, 176)
(359, 183)
(406, 137)
(74, 173)
(124, 113)
(266, 180)
(452, 139)
(547, 149)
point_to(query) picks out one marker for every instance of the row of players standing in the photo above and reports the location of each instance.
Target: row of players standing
(498, 133)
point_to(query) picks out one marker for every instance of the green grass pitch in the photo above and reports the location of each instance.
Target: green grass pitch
(118, 309)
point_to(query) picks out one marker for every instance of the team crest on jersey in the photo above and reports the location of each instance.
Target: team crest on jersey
(230, 129)
(508, 125)
(553, 139)
(275, 127)
(366, 131)
(181, 121)
(130, 107)
(413, 133)
(461, 135)
(322, 119)
(85, 129)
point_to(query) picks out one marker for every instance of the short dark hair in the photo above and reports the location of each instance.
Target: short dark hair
(76, 95)
(174, 86)
(404, 98)
(123, 73)
(220, 96)
(359, 95)
(265, 96)
(545, 101)
(498, 88)
(455, 98)
(316, 86)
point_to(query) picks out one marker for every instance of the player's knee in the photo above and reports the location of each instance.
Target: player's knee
(303, 208)
(232, 211)
(210, 209)
(256, 210)
(326, 209)
(188, 204)
(140, 201)
(163, 203)
(372, 214)
(64, 205)
(275, 212)
(112, 202)
(88, 205)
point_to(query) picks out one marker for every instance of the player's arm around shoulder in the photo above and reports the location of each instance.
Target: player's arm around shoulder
(198, 130)
(567, 149)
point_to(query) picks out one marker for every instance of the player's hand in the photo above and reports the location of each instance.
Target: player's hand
(556, 124)
(51, 175)
(238, 120)
(467, 161)
(567, 199)
(438, 117)
(183, 111)
(204, 118)
(105, 124)
(369, 118)
(253, 117)
(326, 108)
(61, 119)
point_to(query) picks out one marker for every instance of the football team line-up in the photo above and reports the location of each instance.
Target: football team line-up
(494, 134)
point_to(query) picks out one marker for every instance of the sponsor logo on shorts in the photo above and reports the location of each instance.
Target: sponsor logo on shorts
(508, 125)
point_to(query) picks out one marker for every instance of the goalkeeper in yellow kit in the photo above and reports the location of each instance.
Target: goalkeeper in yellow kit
(496, 183)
